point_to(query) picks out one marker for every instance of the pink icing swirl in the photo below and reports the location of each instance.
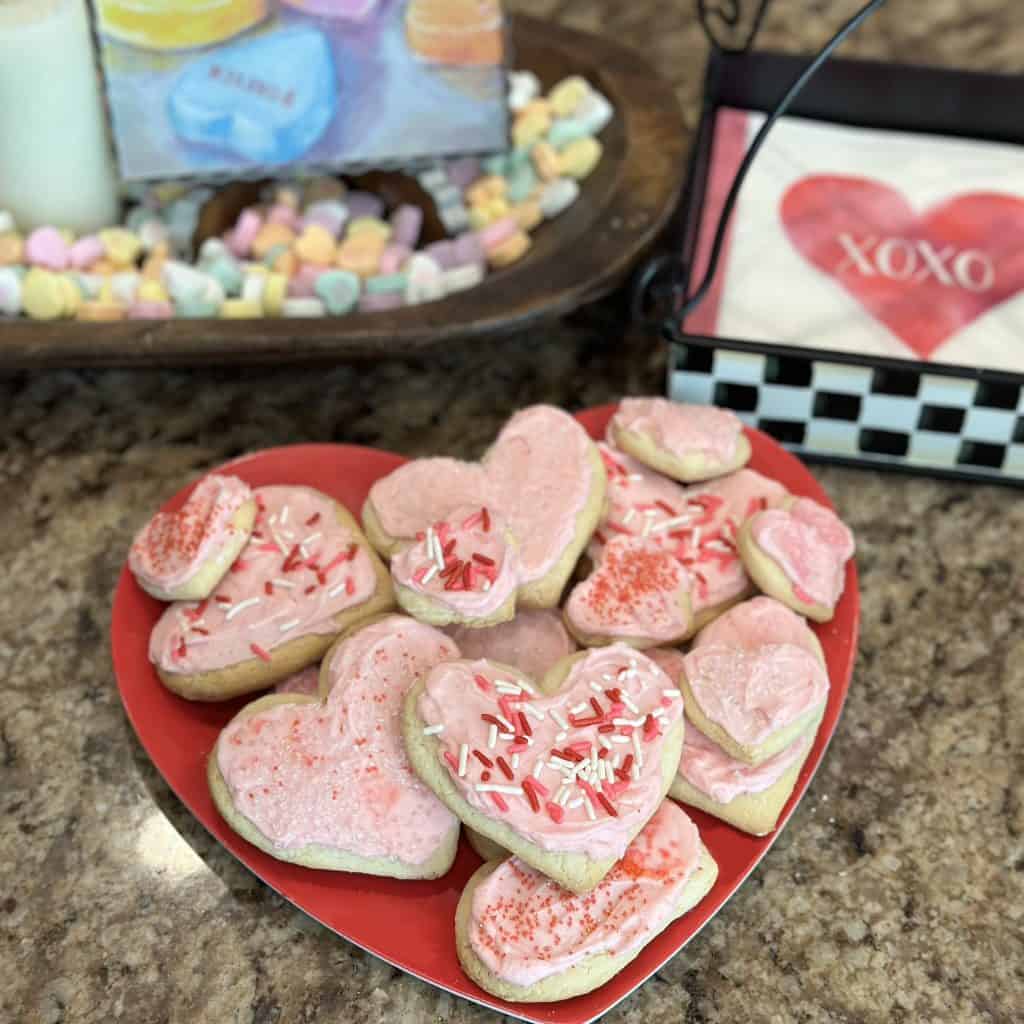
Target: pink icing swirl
(811, 545)
(525, 927)
(173, 546)
(756, 670)
(531, 642)
(698, 524)
(315, 568)
(707, 767)
(336, 774)
(634, 592)
(682, 430)
(464, 562)
(602, 689)
(537, 475)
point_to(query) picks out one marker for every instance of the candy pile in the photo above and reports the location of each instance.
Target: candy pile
(316, 248)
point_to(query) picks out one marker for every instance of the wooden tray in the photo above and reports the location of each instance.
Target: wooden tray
(586, 253)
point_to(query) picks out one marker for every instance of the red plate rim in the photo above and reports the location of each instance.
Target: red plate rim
(160, 720)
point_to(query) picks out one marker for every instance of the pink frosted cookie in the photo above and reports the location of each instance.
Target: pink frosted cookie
(462, 569)
(181, 556)
(685, 442)
(755, 680)
(563, 773)
(522, 937)
(798, 554)
(305, 575)
(305, 682)
(638, 593)
(327, 784)
(699, 525)
(531, 642)
(542, 476)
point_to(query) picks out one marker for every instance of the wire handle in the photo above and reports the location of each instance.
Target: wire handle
(667, 264)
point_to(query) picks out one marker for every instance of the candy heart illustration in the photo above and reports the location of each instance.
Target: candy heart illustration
(268, 100)
(924, 275)
(639, 592)
(328, 784)
(543, 475)
(563, 773)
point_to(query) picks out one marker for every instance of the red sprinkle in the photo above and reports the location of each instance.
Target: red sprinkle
(485, 776)
(483, 758)
(336, 561)
(524, 725)
(199, 629)
(600, 537)
(614, 694)
(452, 763)
(485, 517)
(587, 788)
(506, 770)
(491, 720)
(607, 727)
(350, 586)
(467, 575)
(499, 801)
(555, 813)
(482, 683)
(310, 589)
(607, 805)
(448, 549)
(268, 588)
(598, 710)
(582, 723)
(507, 710)
(568, 755)
(531, 795)
(482, 559)
(222, 599)
(617, 527)
(259, 652)
(627, 763)
(418, 575)
(181, 650)
(314, 518)
(240, 565)
(536, 784)
(665, 507)
(292, 559)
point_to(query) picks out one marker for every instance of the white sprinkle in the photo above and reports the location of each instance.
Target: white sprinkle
(558, 719)
(336, 590)
(463, 759)
(486, 585)
(647, 527)
(630, 703)
(635, 722)
(287, 584)
(596, 688)
(637, 751)
(533, 713)
(561, 736)
(528, 688)
(696, 538)
(563, 796)
(615, 760)
(673, 693)
(313, 536)
(607, 677)
(197, 641)
(578, 802)
(291, 624)
(490, 787)
(304, 551)
(628, 517)
(502, 687)
(433, 730)
(718, 545)
(506, 736)
(635, 477)
(284, 515)
(281, 546)
(659, 713)
(671, 524)
(538, 769)
(650, 512)
(288, 533)
(507, 724)
(576, 710)
(515, 762)
(636, 769)
(604, 743)
(620, 739)
(272, 519)
(590, 808)
(240, 607)
(492, 737)
(429, 574)
(560, 763)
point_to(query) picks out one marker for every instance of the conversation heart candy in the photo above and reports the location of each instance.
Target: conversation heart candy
(406, 223)
(338, 290)
(42, 295)
(241, 237)
(594, 112)
(330, 214)
(567, 95)
(579, 158)
(125, 286)
(558, 196)
(46, 247)
(217, 103)
(12, 249)
(122, 247)
(302, 308)
(523, 88)
(85, 252)
(458, 279)
(393, 258)
(10, 292)
(423, 279)
(315, 245)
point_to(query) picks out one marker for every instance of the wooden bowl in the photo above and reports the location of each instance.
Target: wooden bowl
(582, 255)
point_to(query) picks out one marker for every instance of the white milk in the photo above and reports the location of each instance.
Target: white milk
(56, 165)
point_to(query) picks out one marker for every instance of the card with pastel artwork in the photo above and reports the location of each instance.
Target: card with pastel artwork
(235, 87)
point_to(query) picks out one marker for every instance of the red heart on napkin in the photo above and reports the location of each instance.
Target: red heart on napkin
(923, 275)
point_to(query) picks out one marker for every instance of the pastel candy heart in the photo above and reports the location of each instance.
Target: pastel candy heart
(406, 223)
(46, 247)
(423, 279)
(216, 102)
(339, 291)
(85, 252)
(329, 784)
(10, 292)
(330, 214)
(639, 592)
(537, 782)
(541, 474)
(811, 545)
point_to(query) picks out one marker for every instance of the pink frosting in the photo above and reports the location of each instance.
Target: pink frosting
(336, 774)
(756, 670)
(563, 727)
(634, 592)
(669, 660)
(316, 569)
(464, 563)
(811, 545)
(698, 524)
(531, 642)
(173, 546)
(306, 682)
(525, 927)
(537, 475)
(707, 767)
(682, 430)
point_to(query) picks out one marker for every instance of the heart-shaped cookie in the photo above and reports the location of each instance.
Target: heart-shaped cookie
(543, 475)
(798, 554)
(639, 593)
(563, 773)
(326, 783)
(532, 642)
(305, 575)
(755, 679)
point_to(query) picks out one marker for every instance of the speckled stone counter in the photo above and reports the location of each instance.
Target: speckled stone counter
(895, 894)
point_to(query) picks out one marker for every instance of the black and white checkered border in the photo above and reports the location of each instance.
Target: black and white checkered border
(863, 413)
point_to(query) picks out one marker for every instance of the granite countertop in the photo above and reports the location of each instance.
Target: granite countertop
(895, 894)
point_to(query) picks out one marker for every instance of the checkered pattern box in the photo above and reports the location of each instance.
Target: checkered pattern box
(868, 305)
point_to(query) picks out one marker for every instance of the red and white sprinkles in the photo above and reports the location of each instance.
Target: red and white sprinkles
(466, 570)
